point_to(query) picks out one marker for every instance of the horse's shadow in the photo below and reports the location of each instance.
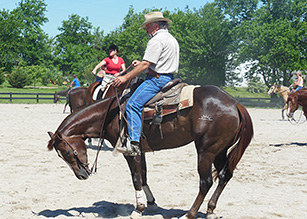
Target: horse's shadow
(289, 144)
(106, 209)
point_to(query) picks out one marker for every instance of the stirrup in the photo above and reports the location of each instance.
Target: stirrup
(126, 151)
(130, 150)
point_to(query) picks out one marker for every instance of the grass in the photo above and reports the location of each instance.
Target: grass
(242, 92)
(30, 89)
(5, 88)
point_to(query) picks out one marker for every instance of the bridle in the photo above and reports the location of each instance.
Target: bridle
(101, 138)
(75, 152)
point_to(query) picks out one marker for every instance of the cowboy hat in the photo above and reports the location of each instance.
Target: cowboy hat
(154, 17)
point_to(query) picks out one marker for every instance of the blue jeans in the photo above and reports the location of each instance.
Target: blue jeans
(147, 90)
(298, 88)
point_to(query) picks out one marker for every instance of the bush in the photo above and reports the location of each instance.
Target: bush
(256, 86)
(2, 75)
(19, 77)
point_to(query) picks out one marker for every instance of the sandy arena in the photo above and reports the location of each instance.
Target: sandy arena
(270, 181)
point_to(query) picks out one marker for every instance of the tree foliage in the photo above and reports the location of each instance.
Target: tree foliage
(269, 35)
(273, 41)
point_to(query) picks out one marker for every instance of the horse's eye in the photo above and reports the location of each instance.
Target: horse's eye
(67, 153)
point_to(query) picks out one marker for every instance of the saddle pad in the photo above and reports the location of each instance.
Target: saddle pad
(186, 100)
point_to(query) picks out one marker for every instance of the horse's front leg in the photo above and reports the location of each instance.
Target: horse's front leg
(65, 107)
(135, 167)
(151, 204)
(282, 111)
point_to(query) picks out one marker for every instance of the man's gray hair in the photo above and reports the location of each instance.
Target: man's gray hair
(162, 24)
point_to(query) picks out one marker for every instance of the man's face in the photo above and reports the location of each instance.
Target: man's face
(151, 29)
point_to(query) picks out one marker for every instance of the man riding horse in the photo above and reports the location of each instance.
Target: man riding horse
(161, 59)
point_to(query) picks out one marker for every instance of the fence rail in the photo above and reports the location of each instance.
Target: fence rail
(249, 102)
(27, 96)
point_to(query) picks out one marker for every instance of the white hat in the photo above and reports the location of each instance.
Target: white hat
(154, 17)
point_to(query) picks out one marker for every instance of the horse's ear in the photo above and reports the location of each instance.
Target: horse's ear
(51, 141)
(50, 134)
(274, 83)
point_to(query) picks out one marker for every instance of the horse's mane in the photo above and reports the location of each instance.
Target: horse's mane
(92, 112)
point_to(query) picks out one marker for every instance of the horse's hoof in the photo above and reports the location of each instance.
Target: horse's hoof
(152, 207)
(211, 216)
(140, 208)
(136, 215)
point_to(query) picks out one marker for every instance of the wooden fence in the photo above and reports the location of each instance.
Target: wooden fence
(248, 102)
(27, 96)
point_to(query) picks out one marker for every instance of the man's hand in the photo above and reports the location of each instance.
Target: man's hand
(135, 63)
(119, 80)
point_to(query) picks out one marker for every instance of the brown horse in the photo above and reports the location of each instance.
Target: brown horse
(296, 99)
(284, 93)
(76, 98)
(57, 97)
(220, 127)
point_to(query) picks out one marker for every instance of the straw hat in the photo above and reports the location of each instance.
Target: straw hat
(154, 17)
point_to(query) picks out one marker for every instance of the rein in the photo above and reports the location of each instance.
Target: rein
(294, 122)
(101, 137)
(283, 91)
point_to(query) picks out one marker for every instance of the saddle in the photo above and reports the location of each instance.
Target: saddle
(172, 98)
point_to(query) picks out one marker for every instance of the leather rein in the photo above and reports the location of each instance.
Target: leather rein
(101, 139)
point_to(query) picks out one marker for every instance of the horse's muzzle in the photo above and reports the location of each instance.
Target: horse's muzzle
(82, 174)
(290, 115)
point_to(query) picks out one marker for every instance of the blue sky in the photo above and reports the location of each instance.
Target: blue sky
(101, 13)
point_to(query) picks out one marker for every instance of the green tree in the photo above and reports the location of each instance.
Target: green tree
(74, 45)
(34, 46)
(274, 41)
(204, 40)
(10, 39)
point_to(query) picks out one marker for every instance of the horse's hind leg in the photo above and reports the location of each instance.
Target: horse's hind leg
(224, 175)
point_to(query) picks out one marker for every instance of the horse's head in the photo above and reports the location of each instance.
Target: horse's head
(292, 103)
(73, 151)
(273, 89)
(56, 97)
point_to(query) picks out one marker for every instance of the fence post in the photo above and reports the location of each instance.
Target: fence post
(37, 98)
(11, 97)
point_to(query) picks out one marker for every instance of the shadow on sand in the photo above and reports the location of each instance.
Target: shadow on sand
(106, 209)
(289, 144)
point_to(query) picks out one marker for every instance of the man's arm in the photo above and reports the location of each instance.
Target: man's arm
(140, 67)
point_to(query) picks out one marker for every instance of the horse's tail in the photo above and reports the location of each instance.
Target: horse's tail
(243, 138)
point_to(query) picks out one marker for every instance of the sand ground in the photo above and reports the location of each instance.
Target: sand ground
(270, 181)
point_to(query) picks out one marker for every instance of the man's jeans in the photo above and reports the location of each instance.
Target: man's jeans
(147, 90)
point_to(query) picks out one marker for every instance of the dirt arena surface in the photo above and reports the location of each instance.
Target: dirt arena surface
(270, 181)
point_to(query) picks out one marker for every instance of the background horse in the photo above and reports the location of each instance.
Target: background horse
(220, 127)
(296, 99)
(58, 94)
(76, 98)
(284, 93)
